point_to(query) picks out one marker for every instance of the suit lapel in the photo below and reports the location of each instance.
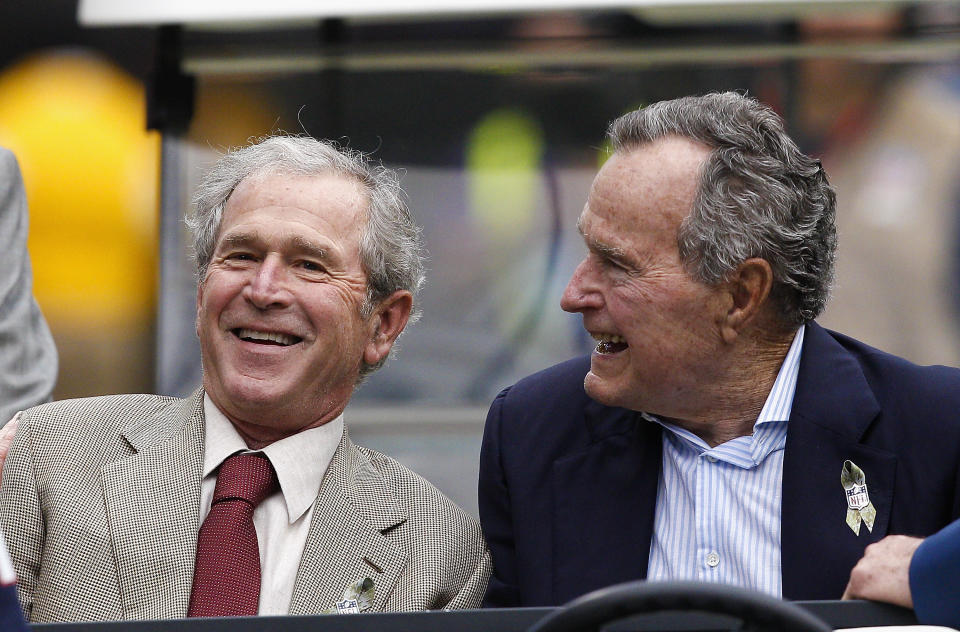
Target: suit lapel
(604, 498)
(347, 542)
(153, 500)
(833, 408)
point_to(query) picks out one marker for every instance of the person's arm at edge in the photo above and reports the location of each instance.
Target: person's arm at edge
(495, 514)
(882, 572)
(913, 573)
(20, 517)
(935, 578)
(27, 349)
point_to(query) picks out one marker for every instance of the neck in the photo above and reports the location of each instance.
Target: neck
(731, 405)
(249, 424)
(257, 437)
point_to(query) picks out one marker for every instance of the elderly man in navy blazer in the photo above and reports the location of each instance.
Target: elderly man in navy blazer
(716, 433)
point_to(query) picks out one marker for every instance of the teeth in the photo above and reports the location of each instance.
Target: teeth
(270, 336)
(614, 338)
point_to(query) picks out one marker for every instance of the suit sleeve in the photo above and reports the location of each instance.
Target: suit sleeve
(472, 592)
(20, 515)
(935, 578)
(495, 513)
(28, 357)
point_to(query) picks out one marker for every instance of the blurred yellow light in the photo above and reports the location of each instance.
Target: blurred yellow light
(77, 126)
(503, 159)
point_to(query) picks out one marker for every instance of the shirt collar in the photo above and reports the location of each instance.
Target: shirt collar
(780, 400)
(300, 460)
(770, 428)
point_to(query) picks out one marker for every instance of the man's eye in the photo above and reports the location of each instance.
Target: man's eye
(311, 266)
(610, 263)
(240, 256)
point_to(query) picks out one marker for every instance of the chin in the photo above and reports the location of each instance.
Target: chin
(608, 393)
(254, 394)
(598, 390)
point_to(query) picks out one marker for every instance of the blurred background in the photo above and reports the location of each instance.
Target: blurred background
(496, 119)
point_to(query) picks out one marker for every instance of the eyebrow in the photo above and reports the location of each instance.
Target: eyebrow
(611, 252)
(300, 244)
(309, 248)
(239, 240)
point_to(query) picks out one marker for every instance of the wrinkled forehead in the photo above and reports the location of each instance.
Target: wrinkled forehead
(332, 197)
(651, 182)
(314, 184)
(326, 210)
(669, 161)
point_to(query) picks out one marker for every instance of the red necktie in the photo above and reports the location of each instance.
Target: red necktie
(226, 578)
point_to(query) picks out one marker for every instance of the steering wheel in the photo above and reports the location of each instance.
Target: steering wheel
(757, 611)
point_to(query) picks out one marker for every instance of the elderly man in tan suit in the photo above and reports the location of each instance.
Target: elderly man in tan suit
(249, 497)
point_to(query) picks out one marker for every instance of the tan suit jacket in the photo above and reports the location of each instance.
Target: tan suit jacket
(100, 500)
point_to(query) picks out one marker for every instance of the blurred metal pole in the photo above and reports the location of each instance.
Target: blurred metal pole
(170, 99)
(177, 346)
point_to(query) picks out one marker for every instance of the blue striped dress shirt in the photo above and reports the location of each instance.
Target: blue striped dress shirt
(718, 509)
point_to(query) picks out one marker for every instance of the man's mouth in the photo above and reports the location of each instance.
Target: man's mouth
(266, 337)
(609, 343)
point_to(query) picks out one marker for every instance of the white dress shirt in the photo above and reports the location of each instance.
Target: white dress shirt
(8, 576)
(283, 519)
(718, 509)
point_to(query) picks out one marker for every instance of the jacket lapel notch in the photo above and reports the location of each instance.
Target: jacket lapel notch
(147, 497)
(347, 540)
(832, 390)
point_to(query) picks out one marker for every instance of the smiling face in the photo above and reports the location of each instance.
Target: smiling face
(278, 311)
(657, 327)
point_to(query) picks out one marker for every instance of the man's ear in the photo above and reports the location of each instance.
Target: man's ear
(389, 318)
(749, 289)
(196, 322)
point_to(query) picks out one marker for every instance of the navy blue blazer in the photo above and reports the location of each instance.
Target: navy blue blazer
(935, 578)
(568, 486)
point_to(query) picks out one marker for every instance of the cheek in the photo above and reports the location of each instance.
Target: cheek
(218, 291)
(657, 322)
(637, 305)
(341, 302)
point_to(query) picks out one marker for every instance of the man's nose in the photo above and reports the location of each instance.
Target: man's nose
(581, 292)
(268, 286)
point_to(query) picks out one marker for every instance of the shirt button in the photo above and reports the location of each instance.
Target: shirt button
(712, 459)
(712, 559)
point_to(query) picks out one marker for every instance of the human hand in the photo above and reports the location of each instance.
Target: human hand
(6, 438)
(883, 573)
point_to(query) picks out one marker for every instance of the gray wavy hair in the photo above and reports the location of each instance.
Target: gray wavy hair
(391, 243)
(759, 196)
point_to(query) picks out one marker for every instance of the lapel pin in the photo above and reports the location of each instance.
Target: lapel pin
(358, 597)
(348, 606)
(859, 507)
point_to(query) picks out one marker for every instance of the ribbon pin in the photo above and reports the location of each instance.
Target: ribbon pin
(859, 506)
(357, 598)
